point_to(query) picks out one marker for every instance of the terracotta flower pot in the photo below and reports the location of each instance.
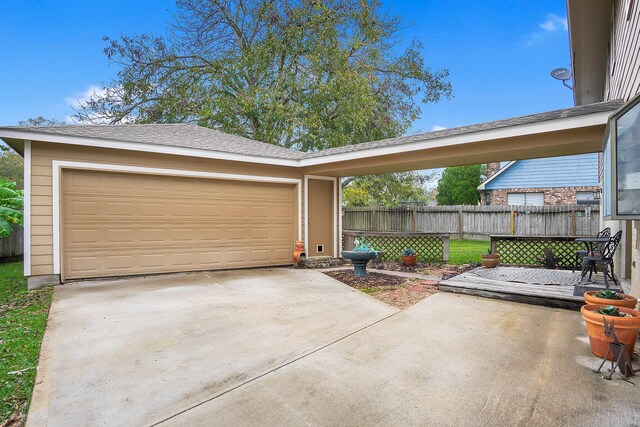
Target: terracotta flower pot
(628, 301)
(490, 261)
(626, 328)
(409, 261)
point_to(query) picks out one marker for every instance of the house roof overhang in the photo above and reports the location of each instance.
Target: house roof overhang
(589, 36)
(560, 137)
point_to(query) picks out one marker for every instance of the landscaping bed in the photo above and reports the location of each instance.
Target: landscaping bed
(394, 290)
(23, 317)
(442, 270)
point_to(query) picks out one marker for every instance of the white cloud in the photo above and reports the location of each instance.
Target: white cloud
(554, 23)
(435, 128)
(81, 97)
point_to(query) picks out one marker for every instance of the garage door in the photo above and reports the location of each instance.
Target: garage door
(122, 224)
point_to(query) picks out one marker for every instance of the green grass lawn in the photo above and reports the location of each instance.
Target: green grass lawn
(466, 251)
(23, 316)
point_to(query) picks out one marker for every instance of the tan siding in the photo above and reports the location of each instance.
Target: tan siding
(42, 269)
(41, 240)
(41, 174)
(623, 80)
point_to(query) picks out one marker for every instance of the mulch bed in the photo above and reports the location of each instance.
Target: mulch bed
(393, 290)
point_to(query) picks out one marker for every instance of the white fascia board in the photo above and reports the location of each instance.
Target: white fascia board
(26, 226)
(495, 175)
(149, 148)
(472, 137)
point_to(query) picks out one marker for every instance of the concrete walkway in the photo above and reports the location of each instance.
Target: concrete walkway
(315, 353)
(449, 360)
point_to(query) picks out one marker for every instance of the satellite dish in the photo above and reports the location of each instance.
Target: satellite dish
(563, 74)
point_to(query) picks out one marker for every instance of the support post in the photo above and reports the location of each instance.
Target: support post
(573, 222)
(445, 248)
(460, 225)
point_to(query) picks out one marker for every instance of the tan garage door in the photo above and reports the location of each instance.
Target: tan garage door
(121, 224)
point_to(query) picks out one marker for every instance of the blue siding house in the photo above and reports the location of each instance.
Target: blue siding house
(565, 180)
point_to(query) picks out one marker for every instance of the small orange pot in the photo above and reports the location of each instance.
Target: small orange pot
(629, 301)
(409, 261)
(626, 329)
(298, 254)
(490, 261)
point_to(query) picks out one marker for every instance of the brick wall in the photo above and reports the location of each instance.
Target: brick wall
(492, 169)
(552, 196)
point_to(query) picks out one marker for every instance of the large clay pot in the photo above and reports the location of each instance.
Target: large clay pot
(629, 301)
(490, 261)
(626, 328)
(409, 261)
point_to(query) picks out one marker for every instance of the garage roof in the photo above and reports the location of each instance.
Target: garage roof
(174, 135)
(192, 140)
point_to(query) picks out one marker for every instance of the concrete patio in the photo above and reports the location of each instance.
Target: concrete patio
(291, 347)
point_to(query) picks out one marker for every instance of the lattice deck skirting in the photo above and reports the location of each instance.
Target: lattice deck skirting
(428, 246)
(528, 250)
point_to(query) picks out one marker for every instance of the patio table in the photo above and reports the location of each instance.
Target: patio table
(590, 243)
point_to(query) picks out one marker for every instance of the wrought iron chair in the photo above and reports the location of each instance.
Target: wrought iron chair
(604, 260)
(605, 233)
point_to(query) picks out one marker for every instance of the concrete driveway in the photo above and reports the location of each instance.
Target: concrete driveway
(294, 347)
(136, 351)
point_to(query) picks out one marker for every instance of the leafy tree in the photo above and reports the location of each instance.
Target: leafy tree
(11, 166)
(11, 205)
(385, 190)
(40, 121)
(302, 74)
(458, 185)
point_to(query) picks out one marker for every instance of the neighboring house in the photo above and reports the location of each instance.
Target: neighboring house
(551, 181)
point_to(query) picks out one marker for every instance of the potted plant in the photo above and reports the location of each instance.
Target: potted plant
(490, 259)
(549, 260)
(360, 256)
(626, 322)
(409, 257)
(610, 297)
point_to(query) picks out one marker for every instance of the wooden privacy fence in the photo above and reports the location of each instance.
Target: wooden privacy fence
(528, 250)
(477, 221)
(13, 245)
(428, 246)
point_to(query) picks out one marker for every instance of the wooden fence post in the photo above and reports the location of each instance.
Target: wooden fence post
(573, 222)
(374, 218)
(413, 220)
(513, 222)
(460, 225)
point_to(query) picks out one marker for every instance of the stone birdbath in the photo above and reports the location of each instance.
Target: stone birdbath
(360, 256)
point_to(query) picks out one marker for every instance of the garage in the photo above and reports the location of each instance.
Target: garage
(117, 223)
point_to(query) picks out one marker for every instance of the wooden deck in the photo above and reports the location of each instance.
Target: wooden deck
(560, 296)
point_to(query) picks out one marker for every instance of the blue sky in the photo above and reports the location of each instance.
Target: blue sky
(499, 54)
